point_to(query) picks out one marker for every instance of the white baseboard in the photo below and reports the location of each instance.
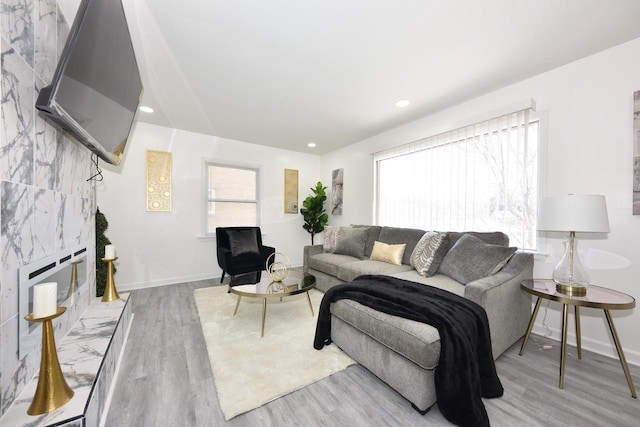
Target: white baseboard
(605, 348)
(125, 287)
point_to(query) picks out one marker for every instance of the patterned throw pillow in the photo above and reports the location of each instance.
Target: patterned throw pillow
(330, 239)
(384, 252)
(429, 253)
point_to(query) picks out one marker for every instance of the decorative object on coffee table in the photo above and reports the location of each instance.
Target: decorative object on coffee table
(596, 297)
(52, 391)
(573, 213)
(277, 269)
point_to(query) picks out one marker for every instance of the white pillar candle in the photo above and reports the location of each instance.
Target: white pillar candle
(109, 252)
(45, 299)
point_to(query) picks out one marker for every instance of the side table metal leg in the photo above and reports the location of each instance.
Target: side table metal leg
(578, 334)
(623, 360)
(563, 352)
(237, 305)
(309, 301)
(531, 322)
(264, 314)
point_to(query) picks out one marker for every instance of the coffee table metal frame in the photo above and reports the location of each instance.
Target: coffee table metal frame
(276, 290)
(596, 297)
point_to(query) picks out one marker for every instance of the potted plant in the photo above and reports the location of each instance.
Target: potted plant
(101, 241)
(313, 211)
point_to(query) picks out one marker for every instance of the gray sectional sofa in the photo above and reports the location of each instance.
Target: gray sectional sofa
(401, 352)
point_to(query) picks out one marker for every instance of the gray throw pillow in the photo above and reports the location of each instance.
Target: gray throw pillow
(471, 259)
(351, 241)
(429, 253)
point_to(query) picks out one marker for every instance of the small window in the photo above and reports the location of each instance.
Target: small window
(231, 197)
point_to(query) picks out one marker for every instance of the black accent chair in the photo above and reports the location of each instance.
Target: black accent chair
(240, 251)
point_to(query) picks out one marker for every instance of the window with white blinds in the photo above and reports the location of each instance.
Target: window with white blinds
(481, 177)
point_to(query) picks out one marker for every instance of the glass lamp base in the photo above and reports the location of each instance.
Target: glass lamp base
(571, 289)
(570, 276)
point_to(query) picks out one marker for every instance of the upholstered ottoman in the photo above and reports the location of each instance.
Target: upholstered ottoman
(403, 353)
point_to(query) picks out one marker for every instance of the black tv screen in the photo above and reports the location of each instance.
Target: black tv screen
(96, 88)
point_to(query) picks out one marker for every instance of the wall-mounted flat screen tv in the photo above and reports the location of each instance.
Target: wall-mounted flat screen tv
(96, 88)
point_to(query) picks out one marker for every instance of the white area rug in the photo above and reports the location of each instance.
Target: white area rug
(250, 371)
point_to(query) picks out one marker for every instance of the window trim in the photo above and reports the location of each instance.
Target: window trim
(541, 117)
(204, 193)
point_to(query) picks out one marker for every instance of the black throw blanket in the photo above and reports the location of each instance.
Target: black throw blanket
(466, 371)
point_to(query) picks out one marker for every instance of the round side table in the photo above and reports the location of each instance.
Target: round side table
(596, 297)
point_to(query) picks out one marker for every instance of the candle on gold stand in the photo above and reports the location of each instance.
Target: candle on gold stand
(110, 292)
(52, 391)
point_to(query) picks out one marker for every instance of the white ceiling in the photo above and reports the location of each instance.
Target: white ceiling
(287, 72)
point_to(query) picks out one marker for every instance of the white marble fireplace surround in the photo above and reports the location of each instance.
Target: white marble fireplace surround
(47, 204)
(89, 358)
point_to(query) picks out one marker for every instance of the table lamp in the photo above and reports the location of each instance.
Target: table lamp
(576, 214)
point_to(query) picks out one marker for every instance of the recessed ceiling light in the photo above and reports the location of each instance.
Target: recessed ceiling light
(311, 144)
(145, 109)
(402, 103)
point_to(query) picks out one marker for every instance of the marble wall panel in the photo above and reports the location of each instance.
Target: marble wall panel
(45, 150)
(16, 230)
(62, 31)
(44, 223)
(17, 26)
(18, 97)
(16, 373)
(46, 200)
(45, 41)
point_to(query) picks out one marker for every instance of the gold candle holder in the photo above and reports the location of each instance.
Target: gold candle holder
(73, 283)
(110, 292)
(52, 391)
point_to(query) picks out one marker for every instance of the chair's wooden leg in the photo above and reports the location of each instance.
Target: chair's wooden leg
(222, 278)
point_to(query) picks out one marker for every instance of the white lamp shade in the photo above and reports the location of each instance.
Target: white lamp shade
(584, 213)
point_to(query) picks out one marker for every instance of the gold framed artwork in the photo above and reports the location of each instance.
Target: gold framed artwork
(290, 191)
(158, 181)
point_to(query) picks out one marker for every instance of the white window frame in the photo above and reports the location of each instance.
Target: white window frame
(533, 117)
(205, 191)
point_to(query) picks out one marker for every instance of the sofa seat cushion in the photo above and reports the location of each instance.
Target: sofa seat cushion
(329, 263)
(416, 341)
(437, 280)
(349, 271)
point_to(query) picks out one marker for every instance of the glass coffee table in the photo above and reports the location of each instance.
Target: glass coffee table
(295, 283)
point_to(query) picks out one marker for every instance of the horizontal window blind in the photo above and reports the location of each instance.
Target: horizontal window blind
(481, 177)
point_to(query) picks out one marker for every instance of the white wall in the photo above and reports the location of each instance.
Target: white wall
(158, 248)
(589, 107)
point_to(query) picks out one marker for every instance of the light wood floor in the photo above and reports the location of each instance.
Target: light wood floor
(166, 380)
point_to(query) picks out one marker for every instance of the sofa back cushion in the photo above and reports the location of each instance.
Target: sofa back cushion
(395, 235)
(374, 232)
(495, 237)
(471, 258)
(351, 241)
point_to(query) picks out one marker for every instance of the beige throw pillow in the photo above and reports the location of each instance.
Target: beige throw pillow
(330, 238)
(384, 252)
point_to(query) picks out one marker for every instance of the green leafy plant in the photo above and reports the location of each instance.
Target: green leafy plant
(315, 218)
(101, 241)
